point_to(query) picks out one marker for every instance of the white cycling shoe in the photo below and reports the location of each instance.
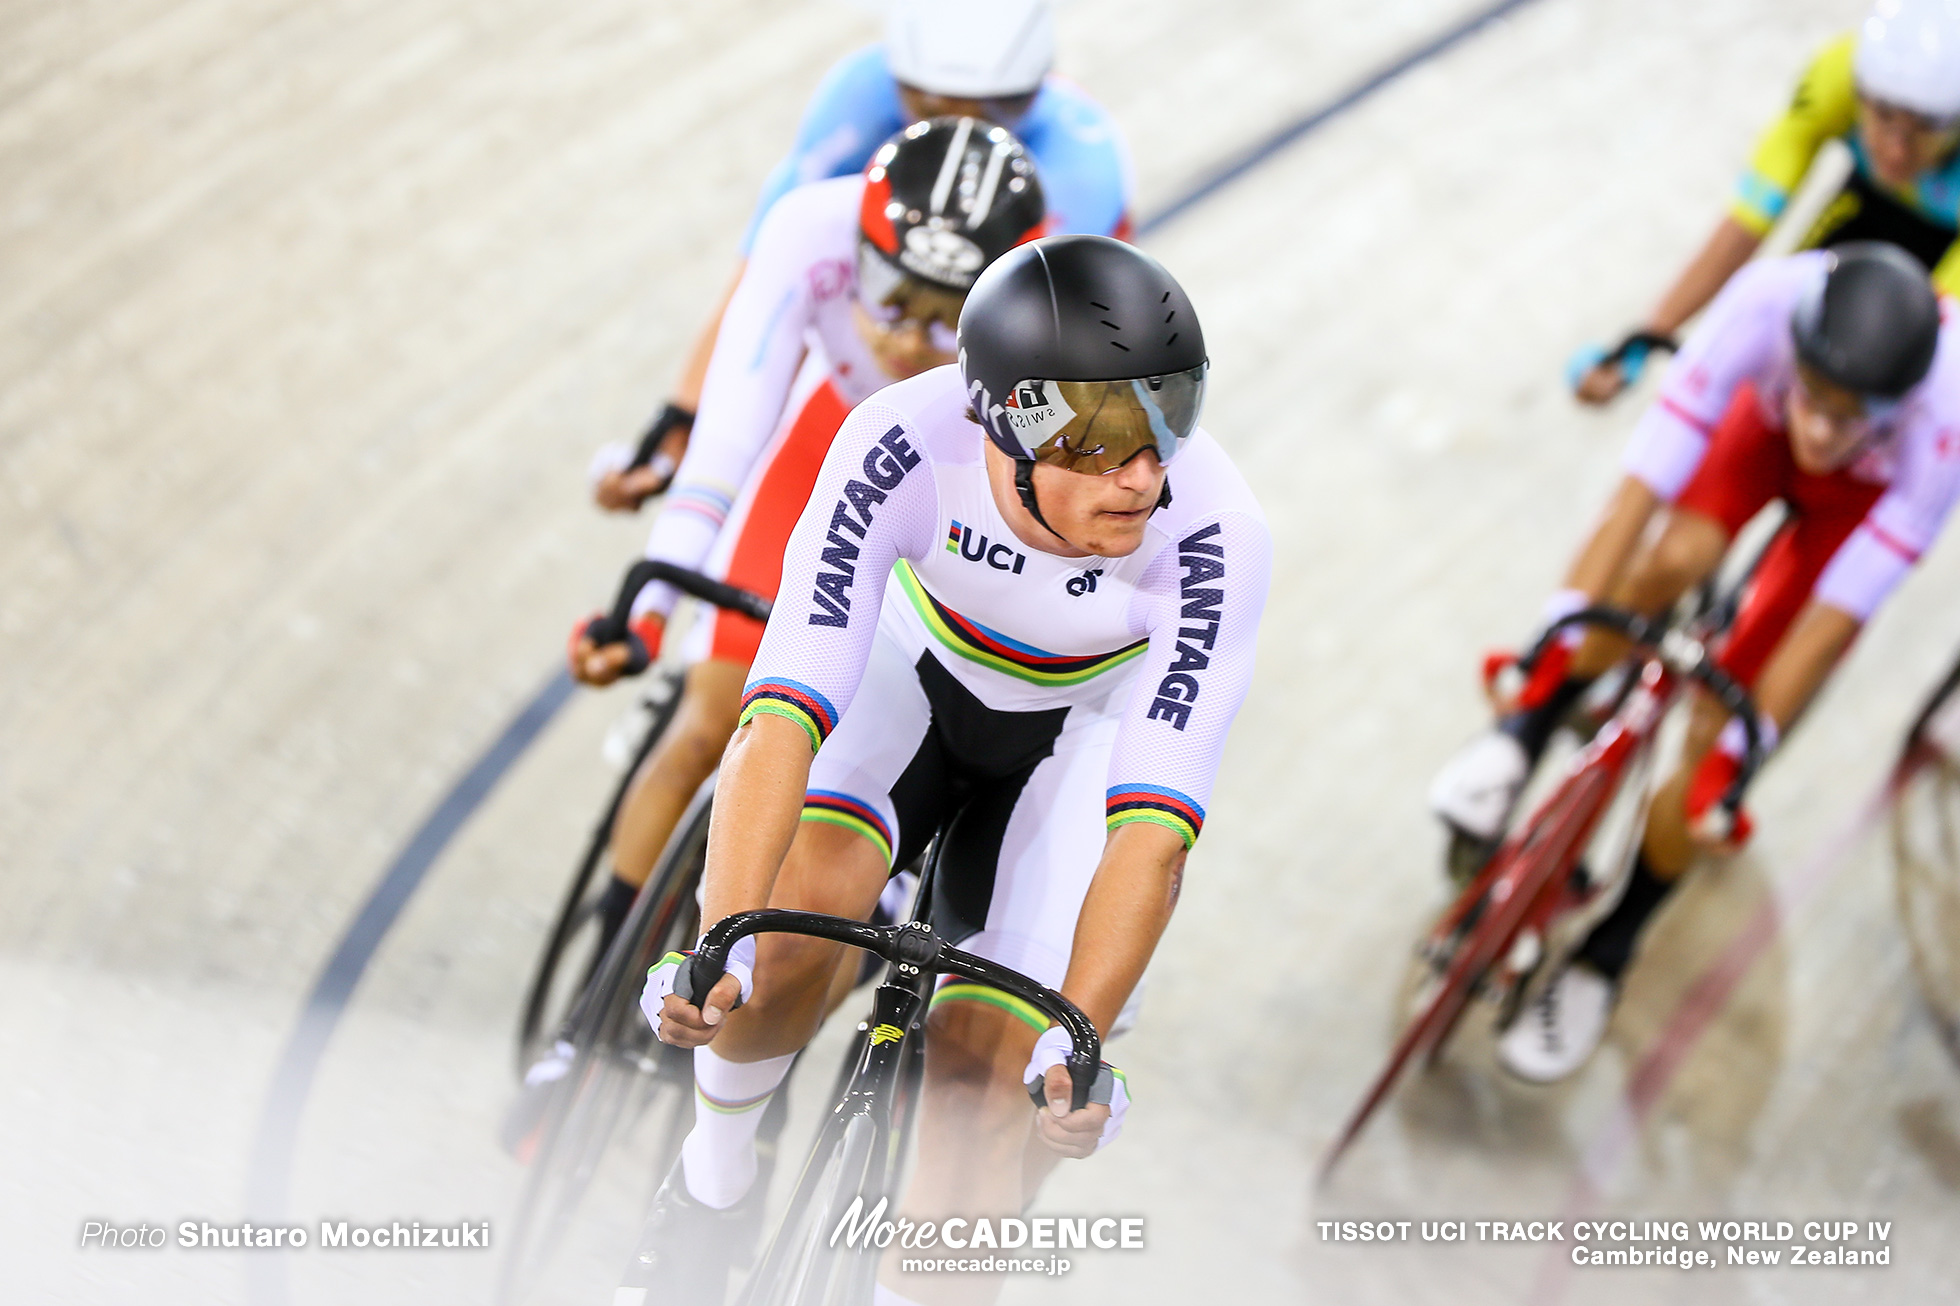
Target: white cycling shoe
(1475, 789)
(1555, 1035)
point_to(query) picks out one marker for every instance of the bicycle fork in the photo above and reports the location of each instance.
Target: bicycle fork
(848, 1178)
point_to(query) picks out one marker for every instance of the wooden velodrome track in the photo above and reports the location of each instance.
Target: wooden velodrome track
(310, 318)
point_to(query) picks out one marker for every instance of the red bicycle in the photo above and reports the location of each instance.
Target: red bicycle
(1496, 938)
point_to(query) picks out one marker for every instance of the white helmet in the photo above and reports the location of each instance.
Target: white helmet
(970, 48)
(1909, 55)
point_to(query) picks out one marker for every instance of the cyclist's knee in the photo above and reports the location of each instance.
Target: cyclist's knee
(700, 736)
(714, 690)
(1689, 549)
(979, 1052)
(792, 974)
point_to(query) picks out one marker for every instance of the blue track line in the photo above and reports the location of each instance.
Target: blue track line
(273, 1147)
(1261, 151)
(270, 1177)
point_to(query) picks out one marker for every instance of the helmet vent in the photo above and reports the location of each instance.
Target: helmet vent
(1103, 307)
(1120, 345)
(1172, 340)
(1111, 325)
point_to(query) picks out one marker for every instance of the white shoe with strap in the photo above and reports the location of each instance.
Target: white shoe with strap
(1556, 1034)
(1475, 789)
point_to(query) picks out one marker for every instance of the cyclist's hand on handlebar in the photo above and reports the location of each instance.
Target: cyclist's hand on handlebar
(1509, 687)
(627, 489)
(685, 1025)
(1600, 383)
(682, 1023)
(597, 664)
(624, 478)
(1596, 374)
(1709, 823)
(1074, 1133)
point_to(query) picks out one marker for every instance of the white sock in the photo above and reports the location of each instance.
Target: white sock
(883, 1296)
(718, 1157)
(1562, 604)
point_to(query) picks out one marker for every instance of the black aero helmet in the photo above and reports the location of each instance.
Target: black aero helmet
(1081, 351)
(942, 200)
(1870, 322)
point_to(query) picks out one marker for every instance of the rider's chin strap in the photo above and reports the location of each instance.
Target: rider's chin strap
(1164, 499)
(1024, 482)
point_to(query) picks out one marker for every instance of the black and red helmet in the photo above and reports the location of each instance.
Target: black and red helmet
(943, 199)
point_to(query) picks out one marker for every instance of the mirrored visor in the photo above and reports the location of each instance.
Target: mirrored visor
(1097, 426)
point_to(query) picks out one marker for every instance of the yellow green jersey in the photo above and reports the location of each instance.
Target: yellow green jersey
(1923, 217)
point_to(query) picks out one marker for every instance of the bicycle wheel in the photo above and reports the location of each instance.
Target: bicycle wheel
(806, 1265)
(571, 949)
(617, 1118)
(1926, 861)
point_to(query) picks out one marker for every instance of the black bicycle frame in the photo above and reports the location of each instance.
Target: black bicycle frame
(887, 1050)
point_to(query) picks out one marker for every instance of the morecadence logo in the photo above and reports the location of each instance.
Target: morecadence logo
(863, 1230)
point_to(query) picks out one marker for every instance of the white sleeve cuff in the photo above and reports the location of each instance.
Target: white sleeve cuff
(1860, 574)
(679, 536)
(1664, 452)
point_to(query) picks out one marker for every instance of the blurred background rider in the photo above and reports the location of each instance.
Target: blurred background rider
(1826, 381)
(987, 59)
(1890, 91)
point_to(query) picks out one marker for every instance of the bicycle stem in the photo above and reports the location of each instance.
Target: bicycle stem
(1683, 656)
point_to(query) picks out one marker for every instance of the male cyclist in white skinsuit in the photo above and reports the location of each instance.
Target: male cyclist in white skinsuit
(855, 283)
(1026, 589)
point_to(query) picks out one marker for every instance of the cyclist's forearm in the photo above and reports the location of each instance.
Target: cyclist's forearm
(1124, 913)
(1803, 661)
(758, 802)
(1728, 247)
(1603, 558)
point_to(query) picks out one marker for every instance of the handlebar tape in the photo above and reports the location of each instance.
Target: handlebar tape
(1101, 1090)
(613, 627)
(698, 976)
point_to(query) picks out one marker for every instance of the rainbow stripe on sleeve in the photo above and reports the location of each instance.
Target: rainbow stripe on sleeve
(833, 808)
(701, 499)
(1179, 813)
(794, 702)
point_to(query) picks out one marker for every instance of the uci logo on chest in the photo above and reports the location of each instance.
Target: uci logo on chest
(962, 539)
